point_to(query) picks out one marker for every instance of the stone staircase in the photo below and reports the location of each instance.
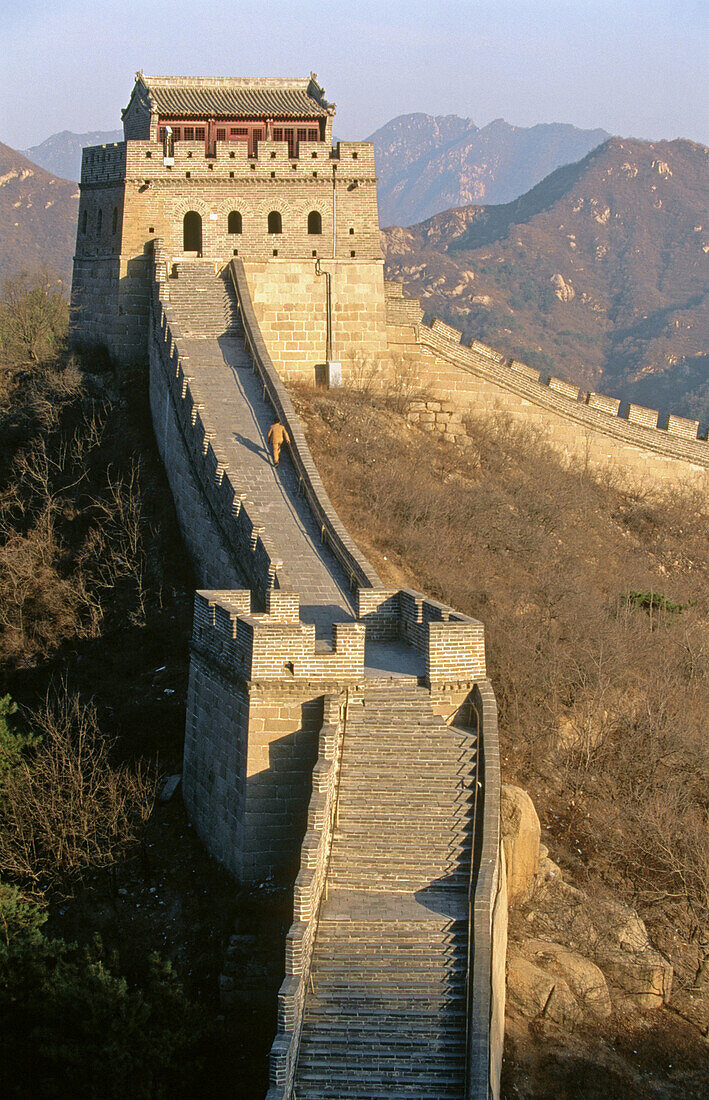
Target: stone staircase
(204, 302)
(386, 1009)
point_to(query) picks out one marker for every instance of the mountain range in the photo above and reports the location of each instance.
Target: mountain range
(596, 272)
(38, 215)
(427, 164)
(60, 154)
(599, 273)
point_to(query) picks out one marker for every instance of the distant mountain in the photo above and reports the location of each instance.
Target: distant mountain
(38, 215)
(599, 273)
(427, 164)
(60, 154)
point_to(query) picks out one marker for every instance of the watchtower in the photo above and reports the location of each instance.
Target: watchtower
(218, 168)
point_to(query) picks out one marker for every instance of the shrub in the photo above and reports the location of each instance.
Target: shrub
(34, 316)
(65, 808)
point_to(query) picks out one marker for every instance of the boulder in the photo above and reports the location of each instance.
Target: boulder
(520, 836)
(610, 932)
(533, 992)
(583, 977)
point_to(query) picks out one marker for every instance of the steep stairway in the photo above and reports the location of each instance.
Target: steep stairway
(385, 1012)
(204, 302)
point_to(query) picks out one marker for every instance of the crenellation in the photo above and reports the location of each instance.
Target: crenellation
(600, 401)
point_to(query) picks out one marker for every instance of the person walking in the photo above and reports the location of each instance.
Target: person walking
(277, 436)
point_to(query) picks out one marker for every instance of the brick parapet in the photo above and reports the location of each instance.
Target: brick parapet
(452, 644)
(598, 412)
(307, 898)
(143, 161)
(270, 649)
(333, 531)
(237, 517)
(487, 924)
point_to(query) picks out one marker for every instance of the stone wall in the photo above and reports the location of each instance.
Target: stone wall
(290, 306)
(222, 529)
(131, 197)
(488, 909)
(474, 380)
(308, 894)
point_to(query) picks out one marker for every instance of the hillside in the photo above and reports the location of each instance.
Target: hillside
(60, 154)
(602, 696)
(426, 164)
(38, 215)
(598, 273)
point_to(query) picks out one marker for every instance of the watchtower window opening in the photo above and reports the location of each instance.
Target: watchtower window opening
(275, 224)
(314, 222)
(84, 221)
(192, 232)
(99, 221)
(234, 223)
(114, 220)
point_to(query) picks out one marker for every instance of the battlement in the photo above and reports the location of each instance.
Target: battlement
(525, 391)
(452, 644)
(144, 161)
(276, 646)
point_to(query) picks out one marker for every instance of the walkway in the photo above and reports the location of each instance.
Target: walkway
(241, 417)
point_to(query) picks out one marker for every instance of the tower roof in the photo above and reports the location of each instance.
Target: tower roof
(231, 97)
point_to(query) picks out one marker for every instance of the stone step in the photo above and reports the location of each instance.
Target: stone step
(406, 1055)
(399, 1014)
(375, 1028)
(352, 970)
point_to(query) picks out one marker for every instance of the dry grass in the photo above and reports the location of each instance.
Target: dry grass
(603, 701)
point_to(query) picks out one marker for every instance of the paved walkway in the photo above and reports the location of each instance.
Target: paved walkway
(241, 416)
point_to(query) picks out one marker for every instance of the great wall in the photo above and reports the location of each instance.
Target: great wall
(338, 732)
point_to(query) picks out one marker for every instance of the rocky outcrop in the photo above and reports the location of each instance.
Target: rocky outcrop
(563, 289)
(609, 932)
(585, 953)
(520, 835)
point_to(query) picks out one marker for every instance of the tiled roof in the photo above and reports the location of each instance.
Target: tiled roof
(202, 96)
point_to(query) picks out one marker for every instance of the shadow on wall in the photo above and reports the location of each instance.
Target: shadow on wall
(277, 797)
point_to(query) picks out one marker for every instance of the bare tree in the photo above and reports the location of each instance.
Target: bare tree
(34, 315)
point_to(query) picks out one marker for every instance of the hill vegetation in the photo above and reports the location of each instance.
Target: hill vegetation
(426, 164)
(595, 601)
(113, 921)
(598, 274)
(38, 215)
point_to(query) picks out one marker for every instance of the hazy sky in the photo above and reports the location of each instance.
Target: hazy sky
(633, 68)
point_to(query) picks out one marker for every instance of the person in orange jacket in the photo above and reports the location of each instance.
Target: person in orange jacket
(277, 436)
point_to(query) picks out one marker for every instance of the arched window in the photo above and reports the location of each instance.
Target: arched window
(84, 221)
(99, 221)
(114, 222)
(234, 222)
(275, 224)
(314, 222)
(192, 232)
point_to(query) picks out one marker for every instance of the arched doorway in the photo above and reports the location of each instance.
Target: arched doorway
(192, 232)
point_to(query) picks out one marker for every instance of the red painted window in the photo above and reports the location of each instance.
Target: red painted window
(189, 133)
(199, 133)
(221, 133)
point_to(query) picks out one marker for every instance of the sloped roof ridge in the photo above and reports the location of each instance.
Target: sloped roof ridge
(228, 81)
